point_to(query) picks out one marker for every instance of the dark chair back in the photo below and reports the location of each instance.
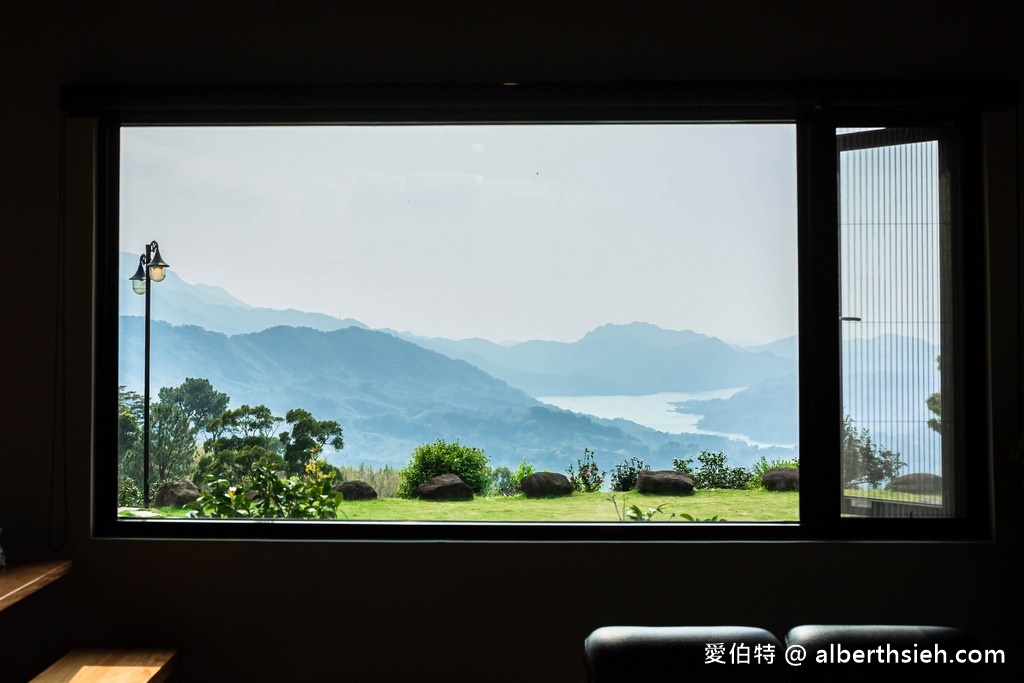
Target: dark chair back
(881, 653)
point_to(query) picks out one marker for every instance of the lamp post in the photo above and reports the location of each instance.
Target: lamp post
(151, 268)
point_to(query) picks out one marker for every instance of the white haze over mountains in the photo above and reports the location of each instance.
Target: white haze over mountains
(511, 232)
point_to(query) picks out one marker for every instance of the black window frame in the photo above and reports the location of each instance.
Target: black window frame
(817, 110)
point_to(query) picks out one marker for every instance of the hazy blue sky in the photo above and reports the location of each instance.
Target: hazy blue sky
(501, 232)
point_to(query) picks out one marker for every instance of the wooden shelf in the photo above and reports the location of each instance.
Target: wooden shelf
(117, 665)
(20, 581)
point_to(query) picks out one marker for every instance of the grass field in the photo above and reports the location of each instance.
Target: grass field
(727, 505)
(734, 506)
(880, 494)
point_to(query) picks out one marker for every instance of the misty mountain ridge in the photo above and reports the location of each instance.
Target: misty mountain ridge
(616, 359)
(391, 395)
(392, 391)
(213, 308)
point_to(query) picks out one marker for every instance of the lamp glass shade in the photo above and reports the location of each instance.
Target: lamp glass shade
(139, 279)
(157, 266)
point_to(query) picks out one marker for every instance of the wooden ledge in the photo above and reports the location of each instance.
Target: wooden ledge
(110, 665)
(19, 581)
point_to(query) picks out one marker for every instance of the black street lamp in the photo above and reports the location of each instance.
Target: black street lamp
(151, 268)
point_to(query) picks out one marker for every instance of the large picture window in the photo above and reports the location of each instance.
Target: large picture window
(589, 318)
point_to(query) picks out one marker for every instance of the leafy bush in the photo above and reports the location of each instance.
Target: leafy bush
(505, 482)
(713, 472)
(129, 494)
(585, 477)
(756, 480)
(625, 475)
(524, 470)
(866, 463)
(434, 459)
(269, 496)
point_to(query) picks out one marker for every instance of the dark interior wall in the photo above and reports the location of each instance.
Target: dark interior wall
(296, 611)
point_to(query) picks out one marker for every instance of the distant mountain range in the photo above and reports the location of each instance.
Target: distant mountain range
(392, 391)
(634, 359)
(391, 395)
(767, 411)
(886, 380)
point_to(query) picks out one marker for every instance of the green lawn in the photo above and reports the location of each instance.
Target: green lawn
(733, 506)
(880, 494)
(727, 505)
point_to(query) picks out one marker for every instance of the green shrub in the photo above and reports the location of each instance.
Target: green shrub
(505, 482)
(713, 472)
(129, 494)
(524, 470)
(756, 480)
(625, 475)
(434, 459)
(585, 477)
(270, 496)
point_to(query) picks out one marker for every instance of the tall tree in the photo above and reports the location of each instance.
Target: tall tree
(307, 438)
(864, 461)
(172, 442)
(129, 435)
(198, 399)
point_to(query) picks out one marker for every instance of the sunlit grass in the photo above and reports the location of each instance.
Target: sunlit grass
(733, 506)
(726, 505)
(881, 494)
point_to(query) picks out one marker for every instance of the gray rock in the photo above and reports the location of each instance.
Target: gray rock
(667, 482)
(546, 484)
(176, 494)
(445, 487)
(782, 479)
(917, 482)
(355, 490)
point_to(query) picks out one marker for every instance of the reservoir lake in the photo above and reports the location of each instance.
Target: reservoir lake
(652, 410)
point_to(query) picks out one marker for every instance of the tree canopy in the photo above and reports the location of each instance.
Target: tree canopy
(197, 398)
(241, 440)
(864, 461)
(307, 438)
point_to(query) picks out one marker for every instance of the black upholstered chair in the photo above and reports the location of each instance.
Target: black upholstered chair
(896, 652)
(651, 654)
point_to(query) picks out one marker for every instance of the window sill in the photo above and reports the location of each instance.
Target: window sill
(20, 581)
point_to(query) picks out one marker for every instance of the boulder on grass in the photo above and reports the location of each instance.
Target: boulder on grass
(666, 482)
(445, 487)
(782, 479)
(355, 490)
(176, 494)
(918, 482)
(545, 485)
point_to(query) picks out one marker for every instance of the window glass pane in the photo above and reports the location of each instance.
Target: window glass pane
(895, 223)
(547, 294)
